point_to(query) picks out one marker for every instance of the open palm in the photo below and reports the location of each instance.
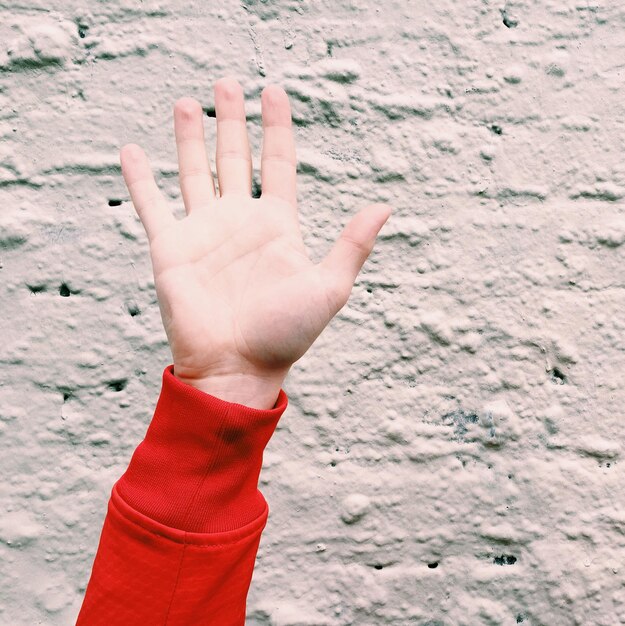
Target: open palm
(236, 288)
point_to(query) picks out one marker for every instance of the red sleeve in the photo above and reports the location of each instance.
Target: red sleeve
(184, 521)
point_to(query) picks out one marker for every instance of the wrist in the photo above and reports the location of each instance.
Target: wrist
(198, 466)
(254, 391)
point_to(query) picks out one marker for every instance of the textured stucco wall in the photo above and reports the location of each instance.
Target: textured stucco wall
(452, 452)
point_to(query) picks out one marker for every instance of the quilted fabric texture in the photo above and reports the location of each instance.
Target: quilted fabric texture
(184, 521)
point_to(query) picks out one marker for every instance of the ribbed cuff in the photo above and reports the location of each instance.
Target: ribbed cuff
(197, 468)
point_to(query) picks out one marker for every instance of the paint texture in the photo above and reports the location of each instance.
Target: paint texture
(452, 454)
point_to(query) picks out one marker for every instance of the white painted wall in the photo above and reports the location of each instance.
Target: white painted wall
(464, 408)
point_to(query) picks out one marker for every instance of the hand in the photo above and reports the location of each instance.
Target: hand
(237, 292)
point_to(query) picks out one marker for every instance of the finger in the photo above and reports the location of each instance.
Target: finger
(345, 260)
(278, 160)
(148, 200)
(233, 156)
(196, 179)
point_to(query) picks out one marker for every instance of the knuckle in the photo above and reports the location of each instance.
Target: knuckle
(192, 172)
(233, 154)
(359, 246)
(279, 158)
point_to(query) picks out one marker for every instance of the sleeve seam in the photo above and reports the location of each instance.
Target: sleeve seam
(173, 593)
(185, 535)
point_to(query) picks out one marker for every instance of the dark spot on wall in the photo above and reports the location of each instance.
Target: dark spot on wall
(67, 394)
(117, 385)
(333, 463)
(329, 46)
(64, 290)
(379, 566)
(520, 618)
(27, 64)
(114, 202)
(508, 21)
(133, 309)
(36, 288)
(256, 189)
(330, 115)
(82, 29)
(557, 377)
(459, 418)
(369, 290)
(496, 129)
(210, 111)
(11, 242)
(433, 565)
(505, 559)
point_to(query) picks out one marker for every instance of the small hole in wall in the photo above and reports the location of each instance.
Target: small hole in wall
(505, 559)
(557, 377)
(117, 385)
(64, 290)
(210, 111)
(114, 202)
(508, 21)
(433, 565)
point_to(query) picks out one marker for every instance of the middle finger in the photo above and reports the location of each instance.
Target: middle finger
(233, 159)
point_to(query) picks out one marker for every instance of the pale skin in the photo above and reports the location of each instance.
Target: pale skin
(239, 297)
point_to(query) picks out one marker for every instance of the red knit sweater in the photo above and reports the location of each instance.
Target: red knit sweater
(184, 521)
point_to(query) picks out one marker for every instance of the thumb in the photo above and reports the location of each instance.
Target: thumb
(343, 263)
